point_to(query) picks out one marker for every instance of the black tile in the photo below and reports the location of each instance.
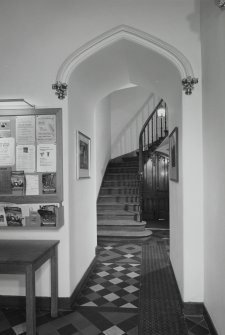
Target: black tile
(129, 323)
(96, 319)
(8, 332)
(198, 330)
(15, 317)
(67, 330)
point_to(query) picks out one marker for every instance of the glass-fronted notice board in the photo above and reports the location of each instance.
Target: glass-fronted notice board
(31, 169)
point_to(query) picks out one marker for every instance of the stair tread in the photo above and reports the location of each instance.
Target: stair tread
(118, 203)
(144, 233)
(118, 196)
(117, 212)
(120, 223)
(119, 172)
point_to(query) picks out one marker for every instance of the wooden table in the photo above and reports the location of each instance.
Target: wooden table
(26, 256)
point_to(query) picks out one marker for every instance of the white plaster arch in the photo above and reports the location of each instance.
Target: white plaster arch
(131, 34)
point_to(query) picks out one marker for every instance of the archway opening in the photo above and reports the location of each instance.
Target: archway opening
(122, 63)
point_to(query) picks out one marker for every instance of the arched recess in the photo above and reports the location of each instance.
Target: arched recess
(130, 34)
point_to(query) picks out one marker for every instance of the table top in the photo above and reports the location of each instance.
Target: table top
(24, 251)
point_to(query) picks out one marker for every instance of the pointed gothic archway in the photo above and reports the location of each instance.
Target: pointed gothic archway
(182, 69)
(130, 34)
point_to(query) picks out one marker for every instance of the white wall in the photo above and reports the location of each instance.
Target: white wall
(38, 36)
(103, 139)
(213, 69)
(82, 192)
(127, 119)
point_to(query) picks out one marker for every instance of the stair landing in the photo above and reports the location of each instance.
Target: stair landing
(126, 228)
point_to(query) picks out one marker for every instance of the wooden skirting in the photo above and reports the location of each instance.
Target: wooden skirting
(44, 303)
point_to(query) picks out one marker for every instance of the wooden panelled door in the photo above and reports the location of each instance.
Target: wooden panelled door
(156, 188)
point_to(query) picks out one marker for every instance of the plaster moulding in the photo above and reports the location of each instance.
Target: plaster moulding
(114, 35)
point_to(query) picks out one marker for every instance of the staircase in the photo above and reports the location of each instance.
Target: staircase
(118, 201)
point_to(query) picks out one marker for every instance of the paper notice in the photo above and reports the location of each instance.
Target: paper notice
(25, 129)
(32, 184)
(46, 129)
(7, 151)
(25, 158)
(46, 158)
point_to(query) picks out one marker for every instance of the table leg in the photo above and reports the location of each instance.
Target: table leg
(54, 283)
(30, 301)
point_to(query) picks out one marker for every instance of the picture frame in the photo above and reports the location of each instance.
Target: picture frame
(173, 155)
(83, 156)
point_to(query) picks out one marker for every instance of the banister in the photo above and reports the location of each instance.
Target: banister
(148, 119)
(141, 165)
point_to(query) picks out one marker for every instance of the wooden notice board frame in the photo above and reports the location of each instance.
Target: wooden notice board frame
(12, 115)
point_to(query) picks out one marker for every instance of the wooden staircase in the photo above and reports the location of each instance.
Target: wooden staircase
(118, 201)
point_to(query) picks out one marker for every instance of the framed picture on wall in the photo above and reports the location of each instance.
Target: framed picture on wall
(173, 152)
(83, 156)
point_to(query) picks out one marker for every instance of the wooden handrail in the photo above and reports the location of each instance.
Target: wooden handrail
(141, 133)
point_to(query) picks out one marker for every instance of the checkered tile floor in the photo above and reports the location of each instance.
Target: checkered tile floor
(112, 285)
(93, 322)
(108, 303)
(116, 253)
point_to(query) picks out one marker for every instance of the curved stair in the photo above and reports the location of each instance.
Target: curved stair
(118, 201)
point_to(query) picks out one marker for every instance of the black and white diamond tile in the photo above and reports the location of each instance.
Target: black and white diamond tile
(91, 321)
(112, 285)
(129, 253)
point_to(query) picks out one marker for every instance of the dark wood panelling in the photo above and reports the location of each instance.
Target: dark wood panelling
(156, 188)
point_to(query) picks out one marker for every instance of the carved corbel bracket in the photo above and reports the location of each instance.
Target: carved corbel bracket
(61, 89)
(188, 84)
(220, 3)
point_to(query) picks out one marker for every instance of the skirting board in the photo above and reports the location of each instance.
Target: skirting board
(198, 308)
(44, 303)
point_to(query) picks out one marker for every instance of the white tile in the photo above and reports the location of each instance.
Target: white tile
(90, 304)
(97, 288)
(132, 274)
(128, 256)
(131, 289)
(128, 305)
(111, 297)
(115, 280)
(119, 268)
(114, 331)
(108, 248)
(102, 274)
(20, 328)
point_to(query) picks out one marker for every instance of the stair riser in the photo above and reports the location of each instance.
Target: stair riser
(118, 191)
(130, 207)
(120, 183)
(116, 217)
(117, 228)
(122, 170)
(119, 199)
(121, 176)
(127, 207)
(111, 207)
(128, 165)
